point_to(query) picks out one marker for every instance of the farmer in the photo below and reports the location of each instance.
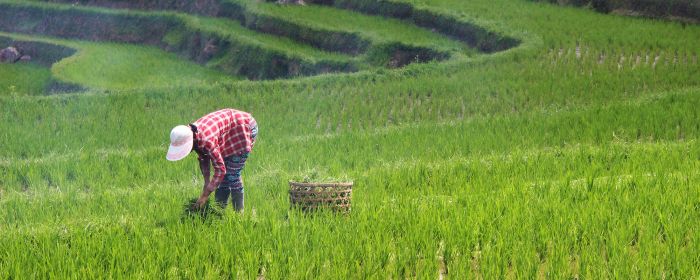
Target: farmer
(224, 138)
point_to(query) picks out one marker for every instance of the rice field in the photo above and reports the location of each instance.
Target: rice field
(23, 79)
(572, 155)
(109, 66)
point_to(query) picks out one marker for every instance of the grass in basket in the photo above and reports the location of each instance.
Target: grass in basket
(315, 175)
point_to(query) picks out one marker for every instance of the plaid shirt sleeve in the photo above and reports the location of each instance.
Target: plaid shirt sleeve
(217, 162)
(213, 154)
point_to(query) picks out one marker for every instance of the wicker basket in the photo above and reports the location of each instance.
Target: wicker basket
(311, 196)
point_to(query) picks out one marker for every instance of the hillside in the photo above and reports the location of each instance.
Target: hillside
(491, 139)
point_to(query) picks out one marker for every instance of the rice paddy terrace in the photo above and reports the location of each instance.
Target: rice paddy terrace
(486, 139)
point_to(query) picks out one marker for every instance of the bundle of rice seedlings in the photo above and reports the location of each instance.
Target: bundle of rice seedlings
(192, 210)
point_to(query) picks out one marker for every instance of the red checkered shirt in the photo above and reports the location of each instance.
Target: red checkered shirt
(222, 134)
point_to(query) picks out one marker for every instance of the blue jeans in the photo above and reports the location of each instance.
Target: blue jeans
(232, 185)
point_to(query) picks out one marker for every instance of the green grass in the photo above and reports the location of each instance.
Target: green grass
(284, 45)
(227, 27)
(111, 66)
(23, 79)
(558, 26)
(121, 66)
(532, 163)
(407, 202)
(377, 29)
(284, 48)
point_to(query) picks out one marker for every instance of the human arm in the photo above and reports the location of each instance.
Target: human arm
(204, 167)
(219, 171)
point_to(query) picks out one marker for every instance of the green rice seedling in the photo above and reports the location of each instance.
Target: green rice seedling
(515, 164)
(23, 79)
(104, 66)
(378, 29)
(191, 209)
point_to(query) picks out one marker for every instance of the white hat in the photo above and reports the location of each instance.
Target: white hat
(180, 143)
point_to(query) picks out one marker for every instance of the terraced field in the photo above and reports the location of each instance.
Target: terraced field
(109, 66)
(486, 139)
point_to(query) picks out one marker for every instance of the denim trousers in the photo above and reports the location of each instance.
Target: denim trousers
(232, 185)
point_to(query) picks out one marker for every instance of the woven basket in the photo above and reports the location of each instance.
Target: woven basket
(311, 196)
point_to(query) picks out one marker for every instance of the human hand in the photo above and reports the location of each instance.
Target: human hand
(201, 202)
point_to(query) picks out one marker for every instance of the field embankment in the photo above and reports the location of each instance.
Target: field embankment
(472, 34)
(678, 10)
(245, 55)
(34, 76)
(99, 66)
(333, 30)
(574, 155)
